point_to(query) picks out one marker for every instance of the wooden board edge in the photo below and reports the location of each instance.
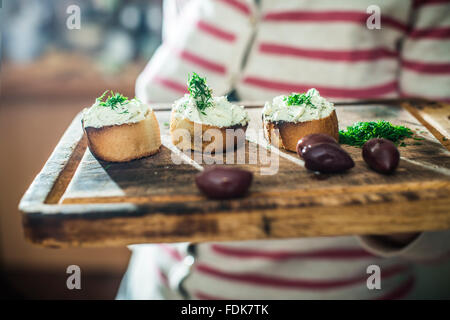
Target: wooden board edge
(42, 186)
(101, 223)
(421, 110)
(404, 216)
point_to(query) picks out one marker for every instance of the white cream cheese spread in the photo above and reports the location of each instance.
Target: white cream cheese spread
(129, 111)
(221, 113)
(298, 107)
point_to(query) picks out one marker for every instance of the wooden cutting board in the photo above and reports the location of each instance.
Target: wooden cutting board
(77, 200)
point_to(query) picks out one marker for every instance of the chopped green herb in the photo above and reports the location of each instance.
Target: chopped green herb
(444, 139)
(112, 101)
(297, 99)
(418, 138)
(166, 124)
(360, 132)
(199, 91)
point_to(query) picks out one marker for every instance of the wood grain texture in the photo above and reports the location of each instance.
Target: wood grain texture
(79, 201)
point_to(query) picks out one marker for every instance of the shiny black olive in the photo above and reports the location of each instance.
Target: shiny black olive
(224, 182)
(381, 155)
(327, 158)
(305, 143)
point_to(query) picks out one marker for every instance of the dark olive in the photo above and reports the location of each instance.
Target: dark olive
(311, 139)
(381, 155)
(327, 158)
(223, 182)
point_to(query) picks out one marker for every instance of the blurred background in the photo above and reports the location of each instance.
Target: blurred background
(40, 94)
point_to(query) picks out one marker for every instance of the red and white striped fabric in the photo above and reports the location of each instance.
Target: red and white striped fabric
(210, 38)
(319, 268)
(310, 268)
(292, 46)
(425, 60)
(327, 45)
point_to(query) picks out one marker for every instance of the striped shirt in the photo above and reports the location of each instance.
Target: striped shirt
(284, 46)
(265, 48)
(309, 268)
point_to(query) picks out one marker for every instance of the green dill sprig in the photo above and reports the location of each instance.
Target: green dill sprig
(112, 100)
(360, 132)
(297, 99)
(200, 92)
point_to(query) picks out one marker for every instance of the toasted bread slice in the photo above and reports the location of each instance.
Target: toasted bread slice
(289, 133)
(125, 142)
(189, 135)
